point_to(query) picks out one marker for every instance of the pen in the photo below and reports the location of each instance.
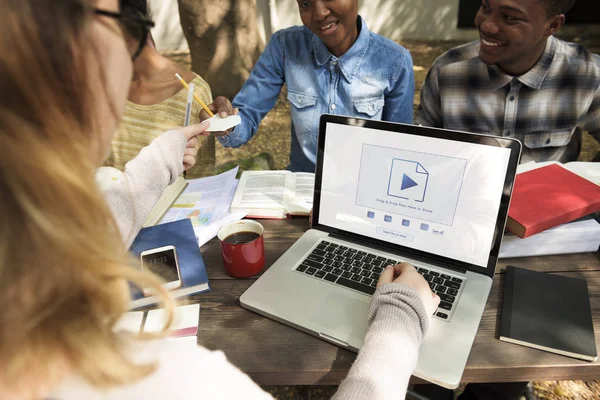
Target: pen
(188, 106)
(185, 85)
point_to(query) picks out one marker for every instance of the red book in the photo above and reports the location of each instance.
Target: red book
(547, 197)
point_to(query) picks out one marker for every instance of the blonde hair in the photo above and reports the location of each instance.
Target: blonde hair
(64, 270)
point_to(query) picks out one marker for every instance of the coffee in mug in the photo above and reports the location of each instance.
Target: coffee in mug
(242, 248)
(241, 237)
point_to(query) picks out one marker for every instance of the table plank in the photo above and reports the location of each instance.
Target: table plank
(275, 354)
(270, 352)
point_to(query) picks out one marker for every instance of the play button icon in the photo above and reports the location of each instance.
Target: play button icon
(407, 182)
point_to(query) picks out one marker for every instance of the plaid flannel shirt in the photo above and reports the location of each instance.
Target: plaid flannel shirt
(546, 108)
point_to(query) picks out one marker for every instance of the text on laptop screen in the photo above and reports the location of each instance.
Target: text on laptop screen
(435, 195)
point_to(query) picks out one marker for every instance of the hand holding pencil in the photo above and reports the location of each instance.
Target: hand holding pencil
(222, 107)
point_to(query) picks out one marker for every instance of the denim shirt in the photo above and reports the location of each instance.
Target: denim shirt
(373, 79)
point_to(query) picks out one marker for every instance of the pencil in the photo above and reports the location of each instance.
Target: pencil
(185, 85)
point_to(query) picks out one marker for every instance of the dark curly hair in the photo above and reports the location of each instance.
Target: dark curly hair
(136, 8)
(555, 7)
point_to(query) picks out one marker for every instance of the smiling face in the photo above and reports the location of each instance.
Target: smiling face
(514, 33)
(333, 21)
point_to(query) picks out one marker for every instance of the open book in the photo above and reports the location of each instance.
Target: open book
(273, 194)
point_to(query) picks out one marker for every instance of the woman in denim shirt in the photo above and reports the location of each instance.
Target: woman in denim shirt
(333, 64)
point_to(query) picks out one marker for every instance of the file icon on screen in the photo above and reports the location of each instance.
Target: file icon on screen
(408, 180)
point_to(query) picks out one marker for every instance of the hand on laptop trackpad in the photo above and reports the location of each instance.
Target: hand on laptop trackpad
(342, 317)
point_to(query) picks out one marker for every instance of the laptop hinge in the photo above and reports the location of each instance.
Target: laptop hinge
(332, 339)
(392, 250)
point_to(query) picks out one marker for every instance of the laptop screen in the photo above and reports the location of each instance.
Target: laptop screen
(431, 194)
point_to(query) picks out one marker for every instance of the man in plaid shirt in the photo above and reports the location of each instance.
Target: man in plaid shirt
(518, 81)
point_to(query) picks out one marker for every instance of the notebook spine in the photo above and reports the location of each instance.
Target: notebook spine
(509, 278)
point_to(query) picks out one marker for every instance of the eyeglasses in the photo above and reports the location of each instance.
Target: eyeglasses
(135, 25)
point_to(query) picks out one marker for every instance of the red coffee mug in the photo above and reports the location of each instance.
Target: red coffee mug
(242, 248)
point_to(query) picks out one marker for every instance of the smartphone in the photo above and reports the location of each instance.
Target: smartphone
(163, 262)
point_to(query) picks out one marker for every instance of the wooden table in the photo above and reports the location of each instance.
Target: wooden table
(275, 354)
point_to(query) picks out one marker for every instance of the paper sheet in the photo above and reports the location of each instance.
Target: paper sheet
(183, 341)
(130, 322)
(202, 199)
(185, 322)
(218, 124)
(207, 232)
(206, 203)
(586, 169)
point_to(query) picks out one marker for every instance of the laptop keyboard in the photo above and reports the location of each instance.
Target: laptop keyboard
(360, 271)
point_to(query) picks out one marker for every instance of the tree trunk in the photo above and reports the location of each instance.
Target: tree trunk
(224, 41)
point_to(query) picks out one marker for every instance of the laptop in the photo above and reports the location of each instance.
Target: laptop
(388, 193)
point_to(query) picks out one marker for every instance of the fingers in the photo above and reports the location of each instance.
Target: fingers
(393, 272)
(194, 130)
(431, 304)
(387, 276)
(403, 267)
(188, 162)
(204, 115)
(193, 142)
(189, 157)
(406, 274)
(190, 151)
(222, 106)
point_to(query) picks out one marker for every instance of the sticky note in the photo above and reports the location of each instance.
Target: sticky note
(218, 124)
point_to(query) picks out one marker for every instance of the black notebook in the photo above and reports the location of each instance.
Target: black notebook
(548, 312)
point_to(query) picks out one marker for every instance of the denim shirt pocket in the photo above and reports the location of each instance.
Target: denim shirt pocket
(303, 110)
(370, 106)
(543, 139)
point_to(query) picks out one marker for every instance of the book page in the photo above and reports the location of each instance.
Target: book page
(302, 186)
(207, 232)
(261, 189)
(204, 200)
(587, 170)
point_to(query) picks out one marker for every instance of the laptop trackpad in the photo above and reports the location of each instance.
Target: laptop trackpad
(342, 317)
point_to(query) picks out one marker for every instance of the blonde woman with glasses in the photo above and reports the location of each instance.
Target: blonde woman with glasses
(65, 70)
